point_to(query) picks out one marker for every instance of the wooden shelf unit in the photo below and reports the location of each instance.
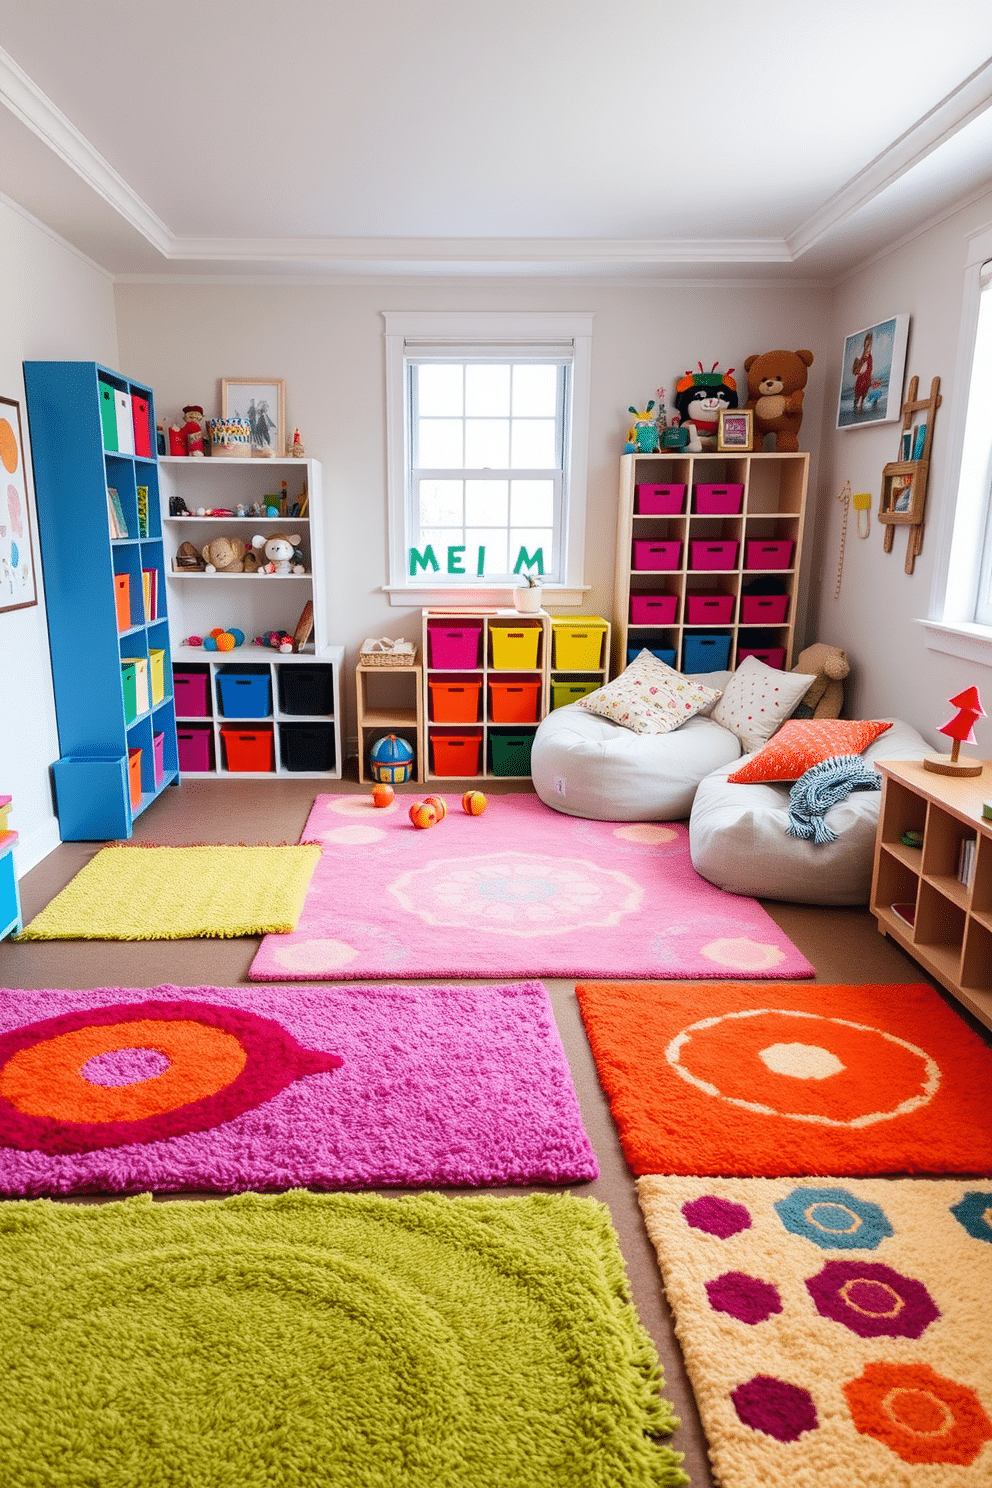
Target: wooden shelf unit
(952, 933)
(772, 509)
(390, 701)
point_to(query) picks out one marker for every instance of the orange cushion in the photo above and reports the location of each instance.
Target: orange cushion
(802, 743)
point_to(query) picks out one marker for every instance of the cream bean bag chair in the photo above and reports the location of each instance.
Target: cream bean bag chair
(738, 838)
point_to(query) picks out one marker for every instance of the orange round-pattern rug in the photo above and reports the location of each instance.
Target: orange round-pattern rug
(776, 1078)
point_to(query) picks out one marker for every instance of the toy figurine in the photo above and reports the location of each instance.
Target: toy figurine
(193, 429)
(295, 446)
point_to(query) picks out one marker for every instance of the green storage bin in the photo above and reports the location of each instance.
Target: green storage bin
(570, 692)
(108, 414)
(510, 753)
(129, 689)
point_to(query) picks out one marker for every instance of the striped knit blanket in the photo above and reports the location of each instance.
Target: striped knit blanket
(814, 793)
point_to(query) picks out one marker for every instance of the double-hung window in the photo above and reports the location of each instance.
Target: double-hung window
(487, 423)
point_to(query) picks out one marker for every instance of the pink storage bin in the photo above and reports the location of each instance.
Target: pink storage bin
(657, 557)
(722, 555)
(454, 647)
(196, 749)
(776, 553)
(773, 656)
(710, 609)
(158, 757)
(764, 609)
(719, 500)
(190, 690)
(653, 609)
(659, 501)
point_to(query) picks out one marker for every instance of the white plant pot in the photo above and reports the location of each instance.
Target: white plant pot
(527, 601)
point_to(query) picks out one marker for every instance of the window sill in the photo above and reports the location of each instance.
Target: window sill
(481, 598)
(970, 642)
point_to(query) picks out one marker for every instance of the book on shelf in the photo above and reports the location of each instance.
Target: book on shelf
(967, 849)
(142, 511)
(905, 912)
(118, 526)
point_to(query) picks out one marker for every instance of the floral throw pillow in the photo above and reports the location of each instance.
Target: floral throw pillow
(758, 699)
(802, 743)
(649, 697)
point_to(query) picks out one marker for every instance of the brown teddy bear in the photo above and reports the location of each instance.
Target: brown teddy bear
(775, 382)
(224, 555)
(825, 698)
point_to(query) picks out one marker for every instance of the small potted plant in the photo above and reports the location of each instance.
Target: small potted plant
(527, 599)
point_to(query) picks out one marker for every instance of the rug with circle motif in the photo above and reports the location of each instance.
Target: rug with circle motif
(519, 891)
(835, 1331)
(756, 1081)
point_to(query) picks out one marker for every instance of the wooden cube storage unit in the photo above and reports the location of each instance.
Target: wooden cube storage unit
(390, 701)
(944, 923)
(677, 564)
(580, 657)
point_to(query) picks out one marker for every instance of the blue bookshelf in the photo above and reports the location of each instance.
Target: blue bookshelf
(95, 594)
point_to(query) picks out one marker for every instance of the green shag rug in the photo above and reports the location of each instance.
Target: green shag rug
(132, 892)
(334, 1339)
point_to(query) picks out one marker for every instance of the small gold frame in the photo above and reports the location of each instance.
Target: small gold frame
(735, 429)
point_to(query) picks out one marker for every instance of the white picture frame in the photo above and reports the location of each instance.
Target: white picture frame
(872, 372)
(261, 402)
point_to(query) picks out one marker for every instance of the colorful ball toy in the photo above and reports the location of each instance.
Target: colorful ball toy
(391, 759)
(223, 640)
(382, 794)
(474, 803)
(440, 806)
(422, 814)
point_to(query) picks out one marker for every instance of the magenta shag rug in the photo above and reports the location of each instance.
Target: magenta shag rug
(519, 891)
(227, 1088)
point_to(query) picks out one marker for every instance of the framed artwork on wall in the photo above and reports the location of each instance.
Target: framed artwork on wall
(871, 375)
(18, 581)
(261, 403)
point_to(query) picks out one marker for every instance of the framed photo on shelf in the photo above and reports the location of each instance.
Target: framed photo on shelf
(872, 372)
(902, 494)
(18, 582)
(261, 402)
(735, 430)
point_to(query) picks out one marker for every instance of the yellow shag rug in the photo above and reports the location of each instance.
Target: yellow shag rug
(180, 893)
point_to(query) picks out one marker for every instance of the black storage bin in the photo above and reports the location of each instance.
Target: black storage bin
(306, 689)
(307, 746)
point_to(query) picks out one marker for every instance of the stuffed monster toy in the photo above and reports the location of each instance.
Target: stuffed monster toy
(825, 698)
(699, 397)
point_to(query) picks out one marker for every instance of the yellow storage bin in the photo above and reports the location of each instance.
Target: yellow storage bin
(577, 645)
(514, 647)
(563, 693)
(156, 675)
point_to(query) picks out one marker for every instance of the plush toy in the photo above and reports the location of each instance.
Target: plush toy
(278, 554)
(775, 383)
(188, 559)
(224, 555)
(825, 697)
(699, 397)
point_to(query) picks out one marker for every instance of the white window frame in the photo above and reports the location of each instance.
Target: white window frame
(493, 330)
(965, 535)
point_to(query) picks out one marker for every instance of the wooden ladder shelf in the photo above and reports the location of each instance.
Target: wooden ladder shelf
(904, 482)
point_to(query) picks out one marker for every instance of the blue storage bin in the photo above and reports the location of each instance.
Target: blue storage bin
(705, 653)
(244, 694)
(668, 657)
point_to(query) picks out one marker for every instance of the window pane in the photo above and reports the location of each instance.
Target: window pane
(439, 390)
(532, 502)
(440, 503)
(440, 444)
(486, 502)
(535, 390)
(493, 540)
(534, 445)
(487, 444)
(487, 391)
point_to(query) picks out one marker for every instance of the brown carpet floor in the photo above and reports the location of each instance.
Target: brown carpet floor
(843, 944)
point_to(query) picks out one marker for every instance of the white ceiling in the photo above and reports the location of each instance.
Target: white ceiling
(529, 137)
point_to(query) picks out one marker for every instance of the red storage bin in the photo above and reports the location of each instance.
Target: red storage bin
(514, 702)
(248, 749)
(719, 500)
(456, 754)
(455, 702)
(657, 556)
(196, 750)
(719, 555)
(653, 609)
(454, 647)
(764, 609)
(142, 427)
(773, 656)
(134, 777)
(190, 689)
(709, 609)
(776, 553)
(659, 500)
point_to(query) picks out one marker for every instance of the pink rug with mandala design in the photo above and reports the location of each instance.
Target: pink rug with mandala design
(519, 891)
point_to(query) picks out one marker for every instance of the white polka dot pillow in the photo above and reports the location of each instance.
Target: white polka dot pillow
(650, 698)
(758, 699)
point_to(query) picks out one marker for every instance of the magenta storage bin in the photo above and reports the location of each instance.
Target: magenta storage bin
(454, 646)
(657, 556)
(190, 689)
(653, 609)
(709, 609)
(776, 553)
(773, 656)
(764, 609)
(659, 501)
(713, 555)
(158, 756)
(719, 500)
(195, 749)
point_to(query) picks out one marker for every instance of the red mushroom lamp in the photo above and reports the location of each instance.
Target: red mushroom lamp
(960, 728)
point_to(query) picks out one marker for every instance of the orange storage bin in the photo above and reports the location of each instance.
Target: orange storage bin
(514, 702)
(122, 599)
(134, 776)
(456, 754)
(455, 701)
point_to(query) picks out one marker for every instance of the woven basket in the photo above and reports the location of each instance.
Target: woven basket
(387, 653)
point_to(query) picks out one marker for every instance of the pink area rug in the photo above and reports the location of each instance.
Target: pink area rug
(227, 1088)
(518, 891)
